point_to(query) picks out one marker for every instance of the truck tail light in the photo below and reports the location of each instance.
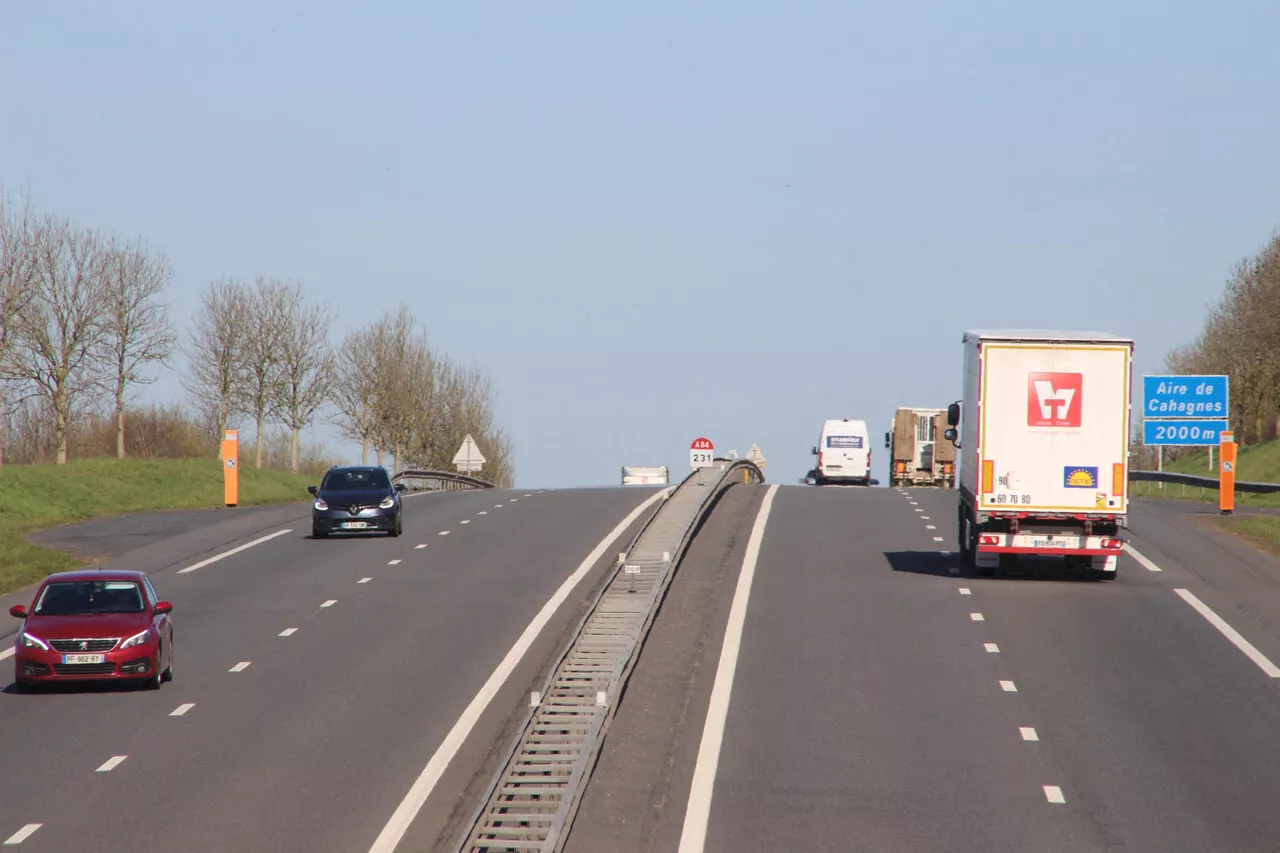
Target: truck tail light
(1113, 544)
(988, 539)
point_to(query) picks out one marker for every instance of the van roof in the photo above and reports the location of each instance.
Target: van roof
(1040, 335)
(854, 422)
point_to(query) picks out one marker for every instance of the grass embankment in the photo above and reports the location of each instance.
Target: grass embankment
(1259, 463)
(34, 497)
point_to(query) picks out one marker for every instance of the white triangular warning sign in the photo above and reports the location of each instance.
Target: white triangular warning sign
(468, 454)
(755, 454)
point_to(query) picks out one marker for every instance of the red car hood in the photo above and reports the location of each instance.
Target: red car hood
(122, 625)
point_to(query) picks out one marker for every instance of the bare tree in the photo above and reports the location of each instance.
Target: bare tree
(355, 389)
(305, 366)
(138, 332)
(215, 341)
(64, 325)
(17, 290)
(405, 369)
(260, 356)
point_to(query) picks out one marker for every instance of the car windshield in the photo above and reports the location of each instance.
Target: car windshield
(358, 480)
(70, 598)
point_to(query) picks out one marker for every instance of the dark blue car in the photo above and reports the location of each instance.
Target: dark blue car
(356, 499)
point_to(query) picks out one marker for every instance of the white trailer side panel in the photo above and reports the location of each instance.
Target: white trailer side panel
(1052, 427)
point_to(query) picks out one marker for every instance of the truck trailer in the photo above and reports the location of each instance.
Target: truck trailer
(918, 453)
(1043, 433)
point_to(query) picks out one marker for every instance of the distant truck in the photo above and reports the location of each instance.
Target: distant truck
(1044, 447)
(918, 453)
(645, 475)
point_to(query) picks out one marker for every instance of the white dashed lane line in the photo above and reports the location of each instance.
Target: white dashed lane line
(497, 506)
(1008, 687)
(420, 547)
(240, 667)
(444, 533)
(465, 521)
(364, 580)
(976, 617)
(182, 709)
(1053, 794)
(924, 518)
(22, 834)
(483, 512)
(930, 527)
(330, 602)
(964, 590)
(393, 562)
(1028, 733)
(287, 632)
(938, 539)
(111, 763)
(991, 648)
(216, 557)
(1143, 561)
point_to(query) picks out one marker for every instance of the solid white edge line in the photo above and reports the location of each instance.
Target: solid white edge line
(1137, 555)
(22, 834)
(1230, 633)
(413, 801)
(111, 763)
(698, 813)
(236, 550)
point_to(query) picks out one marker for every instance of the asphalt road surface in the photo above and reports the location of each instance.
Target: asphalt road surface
(883, 699)
(314, 680)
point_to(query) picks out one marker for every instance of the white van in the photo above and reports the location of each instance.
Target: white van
(844, 453)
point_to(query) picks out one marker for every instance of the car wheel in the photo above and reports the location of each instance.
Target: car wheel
(157, 677)
(167, 675)
(396, 528)
(317, 533)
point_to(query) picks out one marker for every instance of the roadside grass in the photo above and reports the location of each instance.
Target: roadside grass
(1263, 533)
(35, 497)
(1259, 463)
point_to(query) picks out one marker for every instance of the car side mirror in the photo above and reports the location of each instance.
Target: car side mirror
(953, 414)
(950, 434)
(311, 490)
(401, 487)
(19, 611)
(814, 452)
(163, 607)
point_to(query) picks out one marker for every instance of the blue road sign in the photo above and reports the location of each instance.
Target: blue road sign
(1185, 397)
(1183, 433)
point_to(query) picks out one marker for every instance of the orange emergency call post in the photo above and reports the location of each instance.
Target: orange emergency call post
(231, 467)
(1227, 473)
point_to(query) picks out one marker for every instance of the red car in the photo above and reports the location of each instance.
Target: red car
(95, 625)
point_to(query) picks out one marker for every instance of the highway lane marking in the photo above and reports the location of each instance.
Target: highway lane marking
(925, 518)
(1008, 687)
(182, 709)
(287, 632)
(938, 539)
(976, 617)
(1137, 555)
(23, 834)
(404, 815)
(1053, 794)
(964, 590)
(216, 557)
(1028, 733)
(1230, 633)
(919, 510)
(364, 580)
(992, 648)
(696, 816)
(483, 512)
(111, 763)
(330, 602)
(240, 667)
(419, 547)
(444, 533)
(465, 521)
(513, 500)
(8, 653)
(393, 562)
(930, 527)
(497, 506)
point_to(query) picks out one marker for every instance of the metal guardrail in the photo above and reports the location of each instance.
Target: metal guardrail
(444, 480)
(1205, 482)
(531, 802)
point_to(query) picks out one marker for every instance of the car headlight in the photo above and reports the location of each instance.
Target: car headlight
(138, 639)
(31, 641)
(320, 504)
(387, 503)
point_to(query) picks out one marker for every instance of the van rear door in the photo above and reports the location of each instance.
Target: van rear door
(848, 450)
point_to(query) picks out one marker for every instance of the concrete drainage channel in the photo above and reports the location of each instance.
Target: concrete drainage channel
(532, 800)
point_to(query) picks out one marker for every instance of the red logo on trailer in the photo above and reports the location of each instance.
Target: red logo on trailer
(702, 444)
(1053, 399)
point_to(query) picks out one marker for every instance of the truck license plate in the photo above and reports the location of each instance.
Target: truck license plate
(84, 658)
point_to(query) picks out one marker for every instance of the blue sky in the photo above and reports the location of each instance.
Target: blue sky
(733, 220)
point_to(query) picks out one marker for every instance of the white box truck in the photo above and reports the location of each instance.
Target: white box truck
(1044, 447)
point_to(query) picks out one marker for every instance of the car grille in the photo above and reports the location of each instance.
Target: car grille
(81, 645)
(84, 668)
